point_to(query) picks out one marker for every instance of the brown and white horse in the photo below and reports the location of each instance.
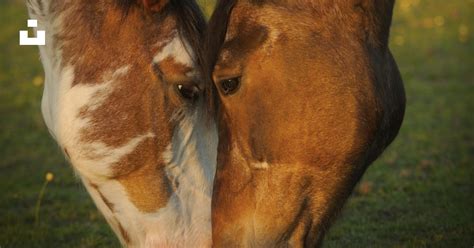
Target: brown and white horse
(123, 101)
(307, 96)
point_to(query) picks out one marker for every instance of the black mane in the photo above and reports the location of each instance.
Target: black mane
(191, 23)
(213, 40)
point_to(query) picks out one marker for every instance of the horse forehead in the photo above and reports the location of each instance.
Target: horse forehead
(253, 27)
(175, 58)
(177, 47)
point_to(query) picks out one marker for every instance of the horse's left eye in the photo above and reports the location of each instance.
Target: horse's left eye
(188, 92)
(230, 86)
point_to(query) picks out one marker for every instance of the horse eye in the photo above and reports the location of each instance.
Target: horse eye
(189, 92)
(230, 86)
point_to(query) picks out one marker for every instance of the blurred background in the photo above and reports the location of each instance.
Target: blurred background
(420, 193)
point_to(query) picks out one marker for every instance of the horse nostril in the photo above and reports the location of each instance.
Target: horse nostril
(230, 86)
(189, 92)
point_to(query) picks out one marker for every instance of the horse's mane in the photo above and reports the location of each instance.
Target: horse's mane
(213, 40)
(192, 24)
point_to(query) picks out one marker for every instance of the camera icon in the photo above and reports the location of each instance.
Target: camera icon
(39, 40)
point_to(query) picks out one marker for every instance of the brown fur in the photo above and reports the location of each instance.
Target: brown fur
(174, 71)
(155, 5)
(126, 113)
(320, 98)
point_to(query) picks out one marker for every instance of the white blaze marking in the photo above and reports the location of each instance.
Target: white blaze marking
(177, 49)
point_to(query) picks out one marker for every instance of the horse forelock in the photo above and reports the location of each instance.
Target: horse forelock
(212, 43)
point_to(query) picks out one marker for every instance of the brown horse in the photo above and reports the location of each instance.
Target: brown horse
(307, 95)
(122, 99)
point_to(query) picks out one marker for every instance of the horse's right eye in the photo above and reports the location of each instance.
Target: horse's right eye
(229, 86)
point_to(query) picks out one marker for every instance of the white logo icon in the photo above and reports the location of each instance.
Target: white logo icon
(40, 38)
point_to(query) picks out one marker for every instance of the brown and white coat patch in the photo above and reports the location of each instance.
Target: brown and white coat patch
(147, 159)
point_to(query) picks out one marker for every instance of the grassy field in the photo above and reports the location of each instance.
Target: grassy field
(419, 194)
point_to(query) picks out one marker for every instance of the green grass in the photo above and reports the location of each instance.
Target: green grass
(419, 194)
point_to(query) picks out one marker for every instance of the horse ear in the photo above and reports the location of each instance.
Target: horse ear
(155, 5)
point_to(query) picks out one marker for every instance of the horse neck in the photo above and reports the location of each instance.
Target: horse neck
(151, 197)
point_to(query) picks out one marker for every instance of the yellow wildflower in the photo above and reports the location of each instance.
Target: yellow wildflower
(38, 81)
(49, 176)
